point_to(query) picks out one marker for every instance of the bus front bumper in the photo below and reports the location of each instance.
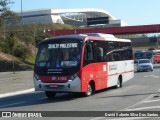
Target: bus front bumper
(70, 86)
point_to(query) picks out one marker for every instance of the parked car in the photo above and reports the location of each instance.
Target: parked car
(144, 65)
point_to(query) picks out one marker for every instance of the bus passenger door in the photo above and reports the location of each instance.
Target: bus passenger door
(89, 67)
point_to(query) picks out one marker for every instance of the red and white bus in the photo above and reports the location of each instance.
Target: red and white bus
(82, 63)
(156, 56)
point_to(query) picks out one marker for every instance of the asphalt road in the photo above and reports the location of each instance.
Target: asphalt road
(142, 93)
(11, 83)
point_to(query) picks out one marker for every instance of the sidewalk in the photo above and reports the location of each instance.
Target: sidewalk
(17, 83)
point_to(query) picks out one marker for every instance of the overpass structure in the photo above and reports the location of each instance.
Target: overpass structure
(155, 28)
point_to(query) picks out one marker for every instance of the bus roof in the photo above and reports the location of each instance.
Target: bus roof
(156, 50)
(101, 35)
(78, 37)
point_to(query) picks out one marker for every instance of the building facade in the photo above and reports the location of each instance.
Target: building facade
(77, 17)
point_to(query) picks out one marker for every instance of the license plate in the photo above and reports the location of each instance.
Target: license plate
(53, 85)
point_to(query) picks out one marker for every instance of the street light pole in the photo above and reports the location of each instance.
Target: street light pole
(157, 42)
(22, 12)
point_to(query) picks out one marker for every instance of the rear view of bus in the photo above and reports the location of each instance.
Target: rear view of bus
(82, 63)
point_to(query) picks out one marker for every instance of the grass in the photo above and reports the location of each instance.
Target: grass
(20, 65)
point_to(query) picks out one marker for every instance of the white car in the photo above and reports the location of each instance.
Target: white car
(144, 65)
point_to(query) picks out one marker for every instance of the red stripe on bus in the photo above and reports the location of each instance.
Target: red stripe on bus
(121, 73)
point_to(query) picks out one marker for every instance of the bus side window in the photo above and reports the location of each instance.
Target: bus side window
(99, 52)
(88, 54)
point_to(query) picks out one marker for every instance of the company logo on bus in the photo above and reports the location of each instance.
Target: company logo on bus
(53, 78)
(112, 67)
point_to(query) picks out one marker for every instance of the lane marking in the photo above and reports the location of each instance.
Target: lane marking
(141, 102)
(151, 101)
(143, 108)
(16, 93)
(98, 118)
(12, 104)
(126, 109)
(152, 76)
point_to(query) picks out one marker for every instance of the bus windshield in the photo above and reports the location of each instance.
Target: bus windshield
(53, 56)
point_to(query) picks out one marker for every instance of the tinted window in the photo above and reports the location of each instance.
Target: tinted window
(99, 51)
(119, 51)
(103, 51)
(88, 53)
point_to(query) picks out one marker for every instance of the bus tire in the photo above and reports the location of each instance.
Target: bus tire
(91, 89)
(119, 82)
(50, 94)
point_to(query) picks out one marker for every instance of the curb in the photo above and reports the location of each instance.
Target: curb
(16, 93)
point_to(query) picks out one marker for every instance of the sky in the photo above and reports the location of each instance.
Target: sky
(133, 12)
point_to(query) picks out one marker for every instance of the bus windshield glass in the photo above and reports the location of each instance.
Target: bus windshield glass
(53, 56)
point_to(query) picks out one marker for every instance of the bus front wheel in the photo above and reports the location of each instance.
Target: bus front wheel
(90, 89)
(50, 94)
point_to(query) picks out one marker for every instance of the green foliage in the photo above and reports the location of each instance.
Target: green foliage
(40, 37)
(28, 39)
(4, 47)
(6, 14)
(12, 42)
(16, 38)
(22, 51)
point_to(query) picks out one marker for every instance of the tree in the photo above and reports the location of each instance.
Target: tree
(5, 13)
(12, 42)
(22, 51)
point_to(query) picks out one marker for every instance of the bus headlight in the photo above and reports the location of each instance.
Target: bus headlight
(37, 77)
(72, 77)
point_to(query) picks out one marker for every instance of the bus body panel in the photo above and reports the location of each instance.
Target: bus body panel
(123, 68)
(96, 72)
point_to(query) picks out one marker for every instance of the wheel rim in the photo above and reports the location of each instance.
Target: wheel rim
(118, 83)
(89, 90)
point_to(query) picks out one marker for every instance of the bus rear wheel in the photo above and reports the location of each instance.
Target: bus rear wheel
(90, 90)
(50, 94)
(119, 82)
